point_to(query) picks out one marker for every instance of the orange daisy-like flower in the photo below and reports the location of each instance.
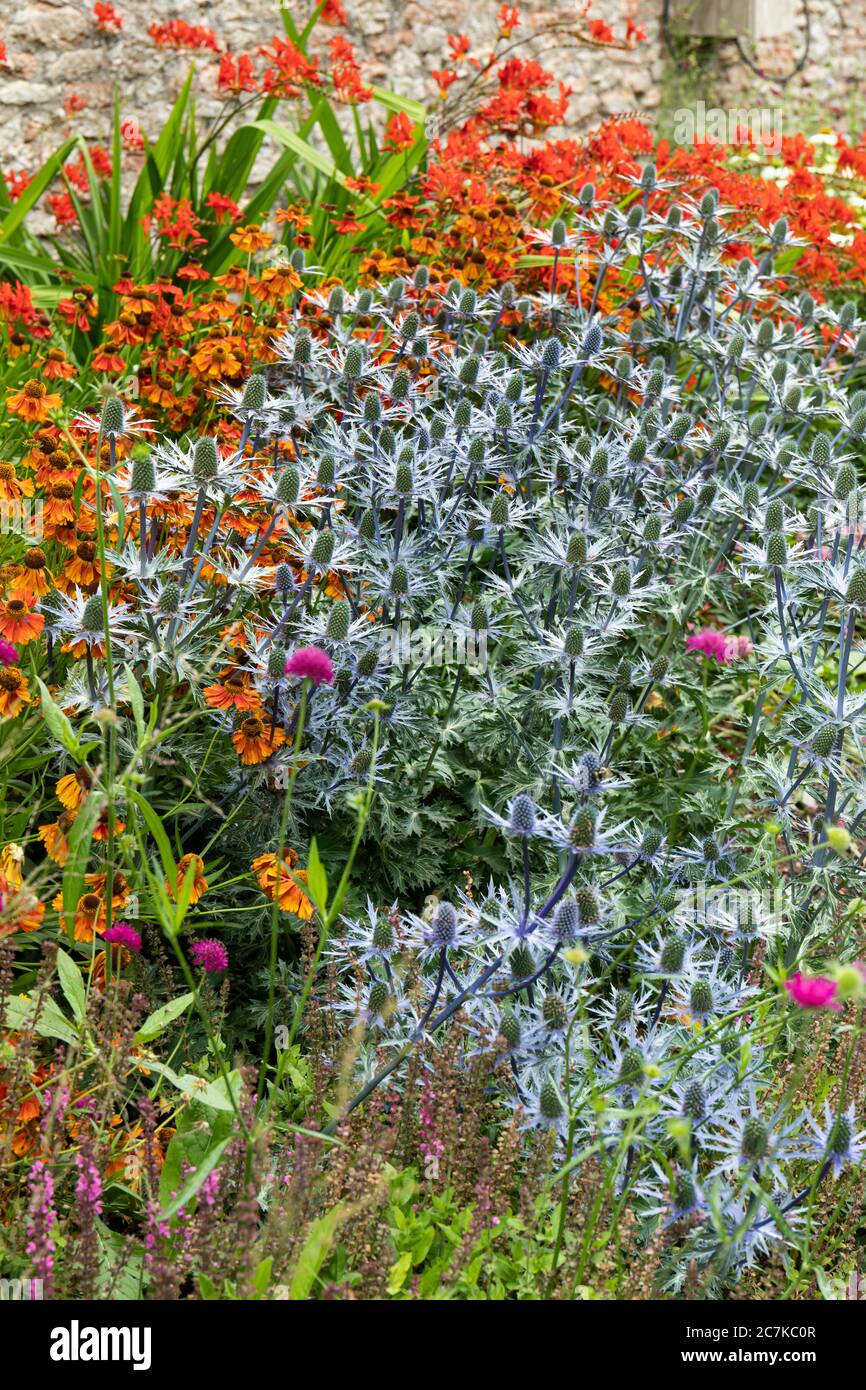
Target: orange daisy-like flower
(276, 283)
(14, 692)
(295, 215)
(55, 465)
(83, 568)
(251, 238)
(233, 692)
(73, 789)
(254, 743)
(348, 226)
(32, 579)
(120, 889)
(59, 506)
(55, 837)
(90, 916)
(18, 623)
(56, 367)
(199, 882)
(218, 357)
(33, 402)
(290, 896)
(13, 488)
(108, 362)
(20, 909)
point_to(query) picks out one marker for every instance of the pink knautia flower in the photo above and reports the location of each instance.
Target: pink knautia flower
(711, 641)
(8, 653)
(311, 662)
(813, 991)
(122, 934)
(738, 647)
(211, 956)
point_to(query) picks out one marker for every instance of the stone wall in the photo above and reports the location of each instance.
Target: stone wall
(54, 50)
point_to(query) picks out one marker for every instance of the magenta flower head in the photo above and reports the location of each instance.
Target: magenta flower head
(813, 991)
(709, 641)
(310, 662)
(211, 956)
(8, 653)
(122, 934)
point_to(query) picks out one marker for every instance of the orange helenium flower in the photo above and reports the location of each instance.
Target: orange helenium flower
(233, 692)
(32, 402)
(14, 692)
(32, 579)
(72, 789)
(251, 238)
(290, 896)
(18, 623)
(199, 883)
(254, 743)
(55, 837)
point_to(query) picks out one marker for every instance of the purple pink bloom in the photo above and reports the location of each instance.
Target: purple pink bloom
(813, 991)
(122, 934)
(211, 956)
(311, 662)
(712, 642)
(41, 1224)
(8, 653)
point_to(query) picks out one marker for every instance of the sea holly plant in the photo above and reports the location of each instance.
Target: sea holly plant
(535, 627)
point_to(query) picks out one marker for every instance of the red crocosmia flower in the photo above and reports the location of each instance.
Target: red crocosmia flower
(508, 20)
(813, 992)
(223, 207)
(312, 663)
(346, 75)
(333, 13)
(237, 74)
(600, 31)
(444, 78)
(16, 182)
(63, 209)
(398, 132)
(107, 18)
(176, 33)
